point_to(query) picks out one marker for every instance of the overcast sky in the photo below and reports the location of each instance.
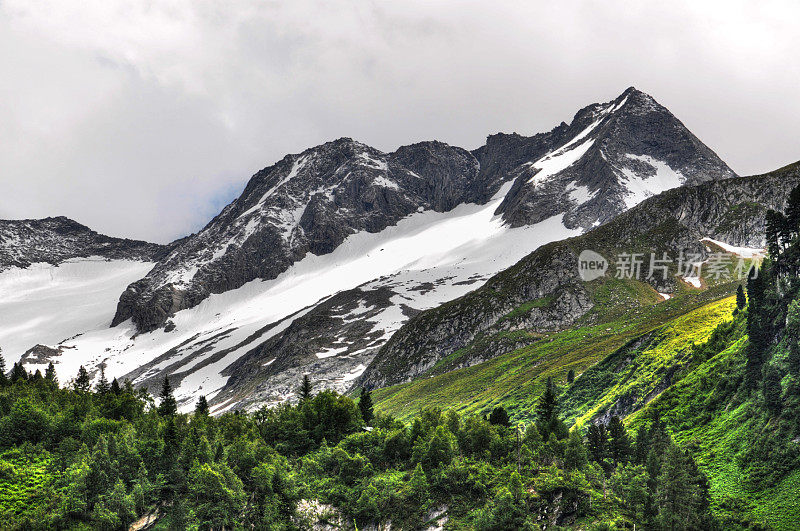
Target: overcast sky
(143, 119)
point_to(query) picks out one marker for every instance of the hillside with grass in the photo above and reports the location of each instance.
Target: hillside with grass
(718, 366)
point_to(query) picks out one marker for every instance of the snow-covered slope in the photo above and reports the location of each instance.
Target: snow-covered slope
(328, 252)
(44, 303)
(307, 203)
(426, 259)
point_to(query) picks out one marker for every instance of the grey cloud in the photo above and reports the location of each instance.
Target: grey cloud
(136, 118)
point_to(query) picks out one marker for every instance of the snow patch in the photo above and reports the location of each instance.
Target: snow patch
(640, 187)
(385, 183)
(562, 158)
(580, 194)
(358, 371)
(694, 281)
(559, 160)
(744, 252)
(374, 163)
(330, 352)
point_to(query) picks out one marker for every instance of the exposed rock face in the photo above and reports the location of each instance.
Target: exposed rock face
(306, 203)
(729, 210)
(40, 355)
(54, 240)
(615, 155)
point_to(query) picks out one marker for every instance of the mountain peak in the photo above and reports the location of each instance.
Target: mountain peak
(611, 157)
(639, 98)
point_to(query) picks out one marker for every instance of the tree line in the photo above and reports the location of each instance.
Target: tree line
(106, 455)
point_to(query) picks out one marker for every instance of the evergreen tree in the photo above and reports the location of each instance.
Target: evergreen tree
(547, 406)
(597, 442)
(18, 373)
(168, 406)
(3, 376)
(619, 441)
(793, 210)
(575, 456)
(702, 491)
(365, 406)
(642, 446)
(115, 388)
(570, 376)
(653, 467)
(741, 298)
(201, 409)
(50, 373)
(305, 389)
(793, 335)
(774, 226)
(547, 414)
(82, 381)
(658, 436)
(547, 410)
(102, 387)
(771, 389)
(757, 328)
(499, 417)
(676, 493)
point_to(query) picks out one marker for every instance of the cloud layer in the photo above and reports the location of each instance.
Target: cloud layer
(141, 119)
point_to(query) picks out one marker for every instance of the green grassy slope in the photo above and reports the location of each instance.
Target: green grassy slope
(707, 416)
(515, 380)
(635, 355)
(626, 361)
(660, 358)
(642, 373)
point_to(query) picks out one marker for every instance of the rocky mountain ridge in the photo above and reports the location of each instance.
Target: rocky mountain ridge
(54, 240)
(306, 203)
(608, 159)
(617, 155)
